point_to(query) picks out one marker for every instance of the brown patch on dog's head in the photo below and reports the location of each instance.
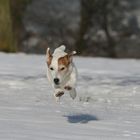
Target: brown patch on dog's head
(49, 57)
(64, 61)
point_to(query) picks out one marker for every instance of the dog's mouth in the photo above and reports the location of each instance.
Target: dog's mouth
(57, 86)
(56, 83)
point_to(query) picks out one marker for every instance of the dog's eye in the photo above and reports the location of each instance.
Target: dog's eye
(62, 68)
(51, 68)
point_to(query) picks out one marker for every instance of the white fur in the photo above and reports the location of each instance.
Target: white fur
(69, 78)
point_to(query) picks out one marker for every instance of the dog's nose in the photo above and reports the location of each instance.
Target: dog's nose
(56, 81)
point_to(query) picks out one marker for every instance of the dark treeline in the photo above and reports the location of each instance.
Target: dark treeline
(107, 28)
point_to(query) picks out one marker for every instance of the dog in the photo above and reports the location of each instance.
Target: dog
(61, 72)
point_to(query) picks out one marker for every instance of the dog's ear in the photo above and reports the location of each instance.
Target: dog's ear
(49, 56)
(70, 55)
(48, 53)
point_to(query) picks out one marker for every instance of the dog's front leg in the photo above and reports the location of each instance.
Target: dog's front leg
(58, 93)
(72, 91)
(70, 85)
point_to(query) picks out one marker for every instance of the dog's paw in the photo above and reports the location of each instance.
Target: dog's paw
(68, 88)
(59, 94)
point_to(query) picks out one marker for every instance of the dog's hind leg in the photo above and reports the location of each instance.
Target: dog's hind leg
(73, 93)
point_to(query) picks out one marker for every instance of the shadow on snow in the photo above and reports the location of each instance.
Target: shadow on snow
(81, 118)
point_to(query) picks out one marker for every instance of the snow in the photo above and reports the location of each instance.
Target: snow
(107, 106)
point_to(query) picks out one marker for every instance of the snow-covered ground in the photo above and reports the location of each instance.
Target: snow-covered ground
(107, 106)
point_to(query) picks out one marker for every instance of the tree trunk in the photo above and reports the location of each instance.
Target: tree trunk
(7, 42)
(111, 43)
(105, 25)
(17, 11)
(85, 23)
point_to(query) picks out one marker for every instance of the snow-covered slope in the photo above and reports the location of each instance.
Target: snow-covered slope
(107, 106)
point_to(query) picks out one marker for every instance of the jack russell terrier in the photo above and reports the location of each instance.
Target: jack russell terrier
(61, 72)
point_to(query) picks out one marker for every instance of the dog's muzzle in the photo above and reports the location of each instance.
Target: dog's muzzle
(56, 81)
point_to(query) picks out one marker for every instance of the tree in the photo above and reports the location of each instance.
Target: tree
(106, 15)
(11, 27)
(17, 12)
(7, 40)
(87, 10)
